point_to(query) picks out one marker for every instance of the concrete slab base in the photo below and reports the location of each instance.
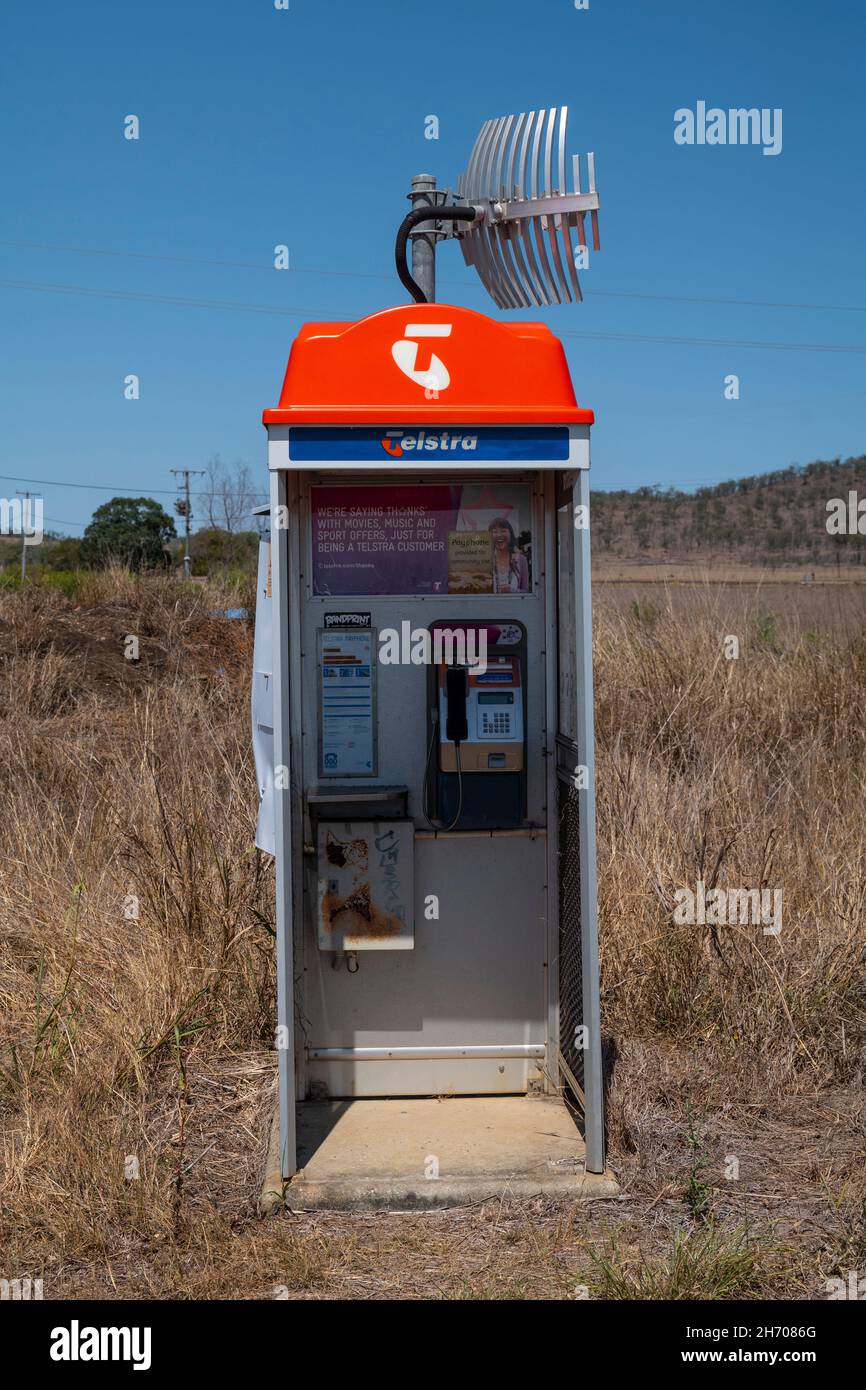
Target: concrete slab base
(366, 1154)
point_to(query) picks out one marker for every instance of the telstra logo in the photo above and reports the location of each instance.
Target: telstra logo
(399, 442)
(435, 377)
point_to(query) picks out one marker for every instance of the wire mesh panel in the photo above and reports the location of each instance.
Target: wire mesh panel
(570, 945)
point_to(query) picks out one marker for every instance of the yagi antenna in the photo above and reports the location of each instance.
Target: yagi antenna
(512, 213)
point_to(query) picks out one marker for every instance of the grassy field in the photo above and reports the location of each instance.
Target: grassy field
(675, 572)
(137, 980)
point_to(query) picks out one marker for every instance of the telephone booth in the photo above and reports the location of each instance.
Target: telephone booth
(423, 717)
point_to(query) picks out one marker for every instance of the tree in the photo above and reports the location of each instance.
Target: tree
(216, 549)
(228, 495)
(132, 531)
(64, 554)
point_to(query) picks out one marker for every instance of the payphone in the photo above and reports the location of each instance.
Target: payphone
(435, 875)
(479, 730)
(488, 707)
(431, 700)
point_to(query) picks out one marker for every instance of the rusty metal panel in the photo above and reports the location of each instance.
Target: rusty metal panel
(365, 886)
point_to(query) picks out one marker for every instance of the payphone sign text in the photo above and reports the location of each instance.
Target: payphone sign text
(506, 447)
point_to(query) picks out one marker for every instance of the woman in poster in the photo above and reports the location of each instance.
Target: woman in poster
(510, 570)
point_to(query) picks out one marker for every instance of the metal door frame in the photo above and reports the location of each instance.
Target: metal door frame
(286, 558)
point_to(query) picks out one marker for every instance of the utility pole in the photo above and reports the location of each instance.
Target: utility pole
(25, 522)
(183, 507)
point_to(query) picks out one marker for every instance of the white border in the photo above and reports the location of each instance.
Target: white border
(279, 458)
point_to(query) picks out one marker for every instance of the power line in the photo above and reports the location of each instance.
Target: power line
(146, 256)
(206, 260)
(169, 492)
(107, 487)
(705, 299)
(152, 298)
(677, 483)
(185, 302)
(718, 342)
(381, 275)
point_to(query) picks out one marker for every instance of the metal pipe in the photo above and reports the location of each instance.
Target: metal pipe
(532, 833)
(446, 212)
(430, 1054)
(424, 237)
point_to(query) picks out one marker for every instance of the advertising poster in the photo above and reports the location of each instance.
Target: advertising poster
(470, 562)
(422, 538)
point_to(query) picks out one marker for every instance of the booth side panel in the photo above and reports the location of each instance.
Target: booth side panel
(551, 714)
(262, 701)
(283, 826)
(298, 732)
(588, 887)
(575, 831)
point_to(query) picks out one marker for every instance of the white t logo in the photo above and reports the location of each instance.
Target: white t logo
(435, 377)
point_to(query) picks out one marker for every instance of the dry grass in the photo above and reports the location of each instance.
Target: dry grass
(607, 571)
(746, 772)
(147, 1041)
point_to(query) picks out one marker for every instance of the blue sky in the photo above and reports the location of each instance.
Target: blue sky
(304, 126)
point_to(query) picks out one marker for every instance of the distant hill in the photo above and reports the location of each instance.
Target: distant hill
(773, 519)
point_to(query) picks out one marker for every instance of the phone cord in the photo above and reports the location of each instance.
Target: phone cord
(425, 785)
(459, 788)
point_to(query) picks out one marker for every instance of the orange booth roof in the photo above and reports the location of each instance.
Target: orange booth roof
(421, 364)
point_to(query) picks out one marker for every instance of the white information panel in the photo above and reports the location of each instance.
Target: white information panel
(347, 696)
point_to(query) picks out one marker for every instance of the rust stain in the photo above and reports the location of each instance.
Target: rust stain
(356, 915)
(352, 912)
(342, 852)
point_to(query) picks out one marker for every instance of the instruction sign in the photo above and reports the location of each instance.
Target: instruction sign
(347, 703)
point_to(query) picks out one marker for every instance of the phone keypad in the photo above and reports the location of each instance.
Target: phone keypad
(494, 725)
